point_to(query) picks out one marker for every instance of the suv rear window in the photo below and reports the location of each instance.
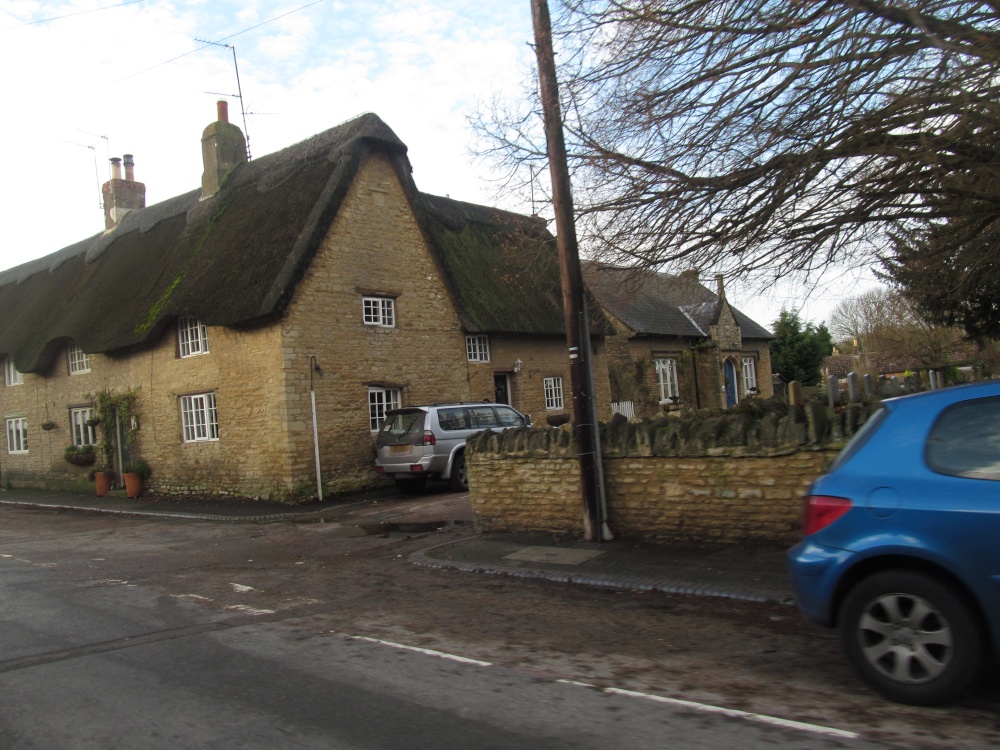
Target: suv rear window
(965, 440)
(400, 427)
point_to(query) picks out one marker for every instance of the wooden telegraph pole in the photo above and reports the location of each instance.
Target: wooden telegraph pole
(585, 428)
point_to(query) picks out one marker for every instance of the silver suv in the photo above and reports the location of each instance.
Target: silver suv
(418, 443)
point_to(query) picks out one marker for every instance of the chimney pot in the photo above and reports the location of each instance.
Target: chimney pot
(121, 196)
(222, 107)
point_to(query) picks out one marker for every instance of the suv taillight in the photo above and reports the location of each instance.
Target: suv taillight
(822, 510)
(429, 438)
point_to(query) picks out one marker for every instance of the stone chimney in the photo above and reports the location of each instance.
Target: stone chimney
(121, 195)
(720, 287)
(223, 148)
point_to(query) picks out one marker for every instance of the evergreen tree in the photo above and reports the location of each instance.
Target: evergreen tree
(797, 352)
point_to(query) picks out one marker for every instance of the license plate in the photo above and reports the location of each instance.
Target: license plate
(399, 449)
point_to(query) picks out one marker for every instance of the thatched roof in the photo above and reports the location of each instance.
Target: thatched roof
(234, 259)
(502, 268)
(659, 304)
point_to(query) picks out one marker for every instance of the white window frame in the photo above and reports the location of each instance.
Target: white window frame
(749, 375)
(381, 400)
(82, 433)
(553, 388)
(477, 348)
(192, 337)
(17, 435)
(667, 380)
(79, 360)
(10, 373)
(379, 311)
(199, 418)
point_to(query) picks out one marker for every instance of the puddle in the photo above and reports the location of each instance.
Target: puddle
(416, 527)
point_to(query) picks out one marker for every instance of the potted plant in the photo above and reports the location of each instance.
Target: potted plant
(80, 455)
(134, 475)
(48, 424)
(103, 479)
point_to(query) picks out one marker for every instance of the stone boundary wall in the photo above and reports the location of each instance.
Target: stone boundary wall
(726, 479)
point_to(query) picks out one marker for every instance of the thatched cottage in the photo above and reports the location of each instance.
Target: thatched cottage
(316, 273)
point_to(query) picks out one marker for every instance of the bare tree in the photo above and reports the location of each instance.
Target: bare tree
(886, 327)
(773, 136)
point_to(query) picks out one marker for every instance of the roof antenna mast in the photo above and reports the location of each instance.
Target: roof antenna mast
(239, 89)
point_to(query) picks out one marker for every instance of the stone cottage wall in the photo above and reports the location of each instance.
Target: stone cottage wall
(725, 479)
(242, 368)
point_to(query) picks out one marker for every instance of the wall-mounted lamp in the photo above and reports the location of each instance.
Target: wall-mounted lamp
(518, 365)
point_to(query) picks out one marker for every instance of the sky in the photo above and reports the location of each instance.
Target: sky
(86, 80)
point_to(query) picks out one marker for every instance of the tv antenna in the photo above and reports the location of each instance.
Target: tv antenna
(97, 172)
(239, 89)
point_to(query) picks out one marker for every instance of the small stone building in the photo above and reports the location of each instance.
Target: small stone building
(678, 345)
(316, 273)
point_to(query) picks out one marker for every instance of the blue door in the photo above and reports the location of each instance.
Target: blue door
(729, 372)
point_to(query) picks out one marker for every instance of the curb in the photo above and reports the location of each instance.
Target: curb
(683, 588)
(171, 514)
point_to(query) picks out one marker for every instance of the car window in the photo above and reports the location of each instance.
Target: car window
(483, 417)
(860, 437)
(398, 425)
(509, 417)
(965, 440)
(455, 418)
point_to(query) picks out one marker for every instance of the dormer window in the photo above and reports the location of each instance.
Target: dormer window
(192, 337)
(10, 373)
(79, 360)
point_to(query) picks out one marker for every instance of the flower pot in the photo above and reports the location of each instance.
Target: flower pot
(103, 481)
(133, 484)
(81, 459)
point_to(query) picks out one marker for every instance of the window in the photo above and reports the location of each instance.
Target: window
(553, 393)
(483, 417)
(192, 336)
(79, 361)
(17, 435)
(199, 418)
(666, 377)
(83, 433)
(965, 439)
(749, 375)
(11, 375)
(478, 348)
(380, 311)
(381, 400)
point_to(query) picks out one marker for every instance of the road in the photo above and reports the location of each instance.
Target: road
(140, 633)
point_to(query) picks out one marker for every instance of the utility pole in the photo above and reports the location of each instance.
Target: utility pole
(585, 428)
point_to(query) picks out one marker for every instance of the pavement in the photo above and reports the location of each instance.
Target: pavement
(747, 572)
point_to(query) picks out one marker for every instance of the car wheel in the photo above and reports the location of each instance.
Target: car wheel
(410, 485)
(910, 637)
(459, 474)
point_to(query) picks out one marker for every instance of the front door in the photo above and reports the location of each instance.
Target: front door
(729, 372)
(501, 387)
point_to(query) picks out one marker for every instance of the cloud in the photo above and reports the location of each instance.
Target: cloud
(136, 75)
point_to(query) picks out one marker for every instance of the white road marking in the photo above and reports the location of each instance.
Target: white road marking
(427, 651)
(241, 588)
(250, 610)
(762, 718)
(192, 596)
(800, 726)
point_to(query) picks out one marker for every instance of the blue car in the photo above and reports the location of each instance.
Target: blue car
(902, 544)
